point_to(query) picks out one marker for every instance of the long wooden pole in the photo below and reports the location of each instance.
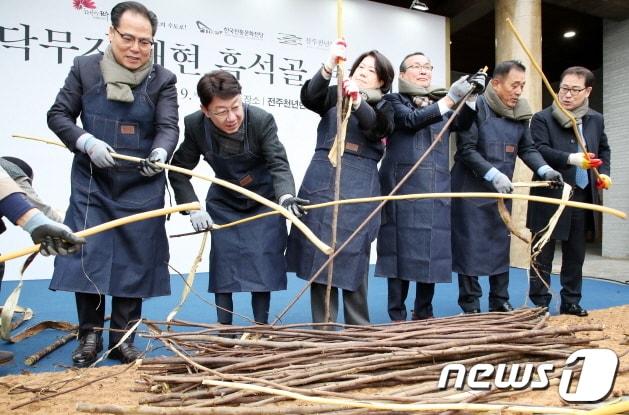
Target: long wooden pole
(340, 147)
(110, 225)
(417, 196)
(287, 214)
(573, 121)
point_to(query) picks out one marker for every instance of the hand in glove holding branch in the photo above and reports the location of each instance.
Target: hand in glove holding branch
(294, 204)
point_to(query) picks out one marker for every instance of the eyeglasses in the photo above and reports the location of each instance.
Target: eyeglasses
(129, 40)
(224, 113)
(426, 67)
(573, 91)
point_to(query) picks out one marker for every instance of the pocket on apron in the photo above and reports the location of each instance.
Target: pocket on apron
(127, 135)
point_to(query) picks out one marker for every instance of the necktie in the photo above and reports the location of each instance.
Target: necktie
(581, 178)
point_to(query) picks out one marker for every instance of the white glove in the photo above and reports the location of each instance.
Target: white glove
(337, 53)
(459, 89)
(200, 220)
(98, 151)
(501, 183)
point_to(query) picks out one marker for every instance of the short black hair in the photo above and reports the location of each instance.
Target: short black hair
(134, 6)
(503, 68)
(579, 71)
(218, 83)
(403, 63)
(384, 69)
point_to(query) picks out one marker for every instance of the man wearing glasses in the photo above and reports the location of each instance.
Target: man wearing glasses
(485, 160)
(414, 237)
(127, 105)
(555, 139)
(240, 143)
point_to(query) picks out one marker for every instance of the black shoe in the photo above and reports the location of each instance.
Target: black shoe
(422, 317)
(472, 311)
(503, 308)
(87, 352)
(5, 357)
(573, 309)
(126, 353)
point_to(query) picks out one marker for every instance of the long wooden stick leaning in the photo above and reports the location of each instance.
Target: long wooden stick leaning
(573, 121)
(110, 225)
(288, 215)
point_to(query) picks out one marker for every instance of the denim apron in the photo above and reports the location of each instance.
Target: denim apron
(129, 261)
(248, 257)
(414, 238)
(480, 239)
(359, 178)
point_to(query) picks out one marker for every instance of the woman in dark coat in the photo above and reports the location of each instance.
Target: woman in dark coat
(371, 120)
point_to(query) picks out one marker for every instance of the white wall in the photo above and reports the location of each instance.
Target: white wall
(293, 32)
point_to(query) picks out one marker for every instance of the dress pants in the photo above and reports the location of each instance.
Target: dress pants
(125, 312)
(470, 291)
(260, 303)
(397, 293)
(573, 256)
(355, 307)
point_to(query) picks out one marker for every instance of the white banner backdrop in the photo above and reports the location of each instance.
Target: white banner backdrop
(273, 46)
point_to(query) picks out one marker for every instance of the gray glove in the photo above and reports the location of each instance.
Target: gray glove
(555, 178)
(459, 89)
(200, 220)
(99, 152)
(55, 238)
(148, 167)
(478, 81)
(501, 183)
(294, 204)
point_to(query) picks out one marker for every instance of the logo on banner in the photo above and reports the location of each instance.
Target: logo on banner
(203, 28)
(79, 4)
(594, 383)
(289, 39)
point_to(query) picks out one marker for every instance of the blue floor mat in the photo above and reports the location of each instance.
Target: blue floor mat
(49, 305)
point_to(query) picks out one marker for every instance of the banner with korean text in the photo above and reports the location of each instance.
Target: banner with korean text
(272, 46)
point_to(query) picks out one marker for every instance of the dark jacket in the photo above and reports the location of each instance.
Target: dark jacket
(262, 134)
(556, 144)
(85, 73)
(414, 238)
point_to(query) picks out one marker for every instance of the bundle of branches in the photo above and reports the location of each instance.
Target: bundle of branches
(390, 363)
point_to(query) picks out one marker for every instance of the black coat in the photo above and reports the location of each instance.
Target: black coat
(555, 144)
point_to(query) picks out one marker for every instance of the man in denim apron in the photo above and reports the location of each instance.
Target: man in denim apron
(127, 105)
(485, 161)
(240, 143)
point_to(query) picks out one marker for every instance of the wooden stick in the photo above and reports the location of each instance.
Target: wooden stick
(339, 142)
(573, 121)
(287, 214)
(36, 357)
(110, 225)
(394, 406)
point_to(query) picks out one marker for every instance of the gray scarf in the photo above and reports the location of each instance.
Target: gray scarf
(372, 96)
(121, 80)
(577, 113)
(521, 112)
(421, 96)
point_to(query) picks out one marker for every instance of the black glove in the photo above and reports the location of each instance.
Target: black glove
(148, 167)
(555, 179)
(478, 81)
(56, 239)
(294, 205)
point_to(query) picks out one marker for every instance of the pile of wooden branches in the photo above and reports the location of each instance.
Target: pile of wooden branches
(392, 363)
